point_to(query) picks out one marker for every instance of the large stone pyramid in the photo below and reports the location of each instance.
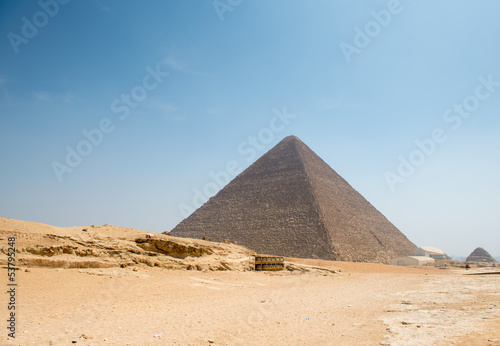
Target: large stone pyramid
(291, 203)
(480, 255)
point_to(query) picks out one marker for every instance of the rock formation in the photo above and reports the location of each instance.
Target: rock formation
(39, 245)
(291, 203)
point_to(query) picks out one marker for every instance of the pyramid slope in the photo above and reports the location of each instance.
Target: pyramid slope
(359, 232)
(269, 208)
(291, 203)
(480, 255)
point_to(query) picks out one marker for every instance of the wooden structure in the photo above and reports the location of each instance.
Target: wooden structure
(265, 262)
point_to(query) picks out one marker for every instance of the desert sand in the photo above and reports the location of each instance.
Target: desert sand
(102, 287)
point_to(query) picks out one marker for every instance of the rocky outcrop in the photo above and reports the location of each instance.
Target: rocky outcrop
(174, 248)
(110, 246)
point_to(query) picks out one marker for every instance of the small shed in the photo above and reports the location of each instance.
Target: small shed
(415, 261)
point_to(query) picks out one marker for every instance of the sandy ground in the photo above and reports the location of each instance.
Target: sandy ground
(101, 286)
(152, 306)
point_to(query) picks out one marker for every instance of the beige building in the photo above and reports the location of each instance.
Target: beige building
(415, 261)
(430, 251)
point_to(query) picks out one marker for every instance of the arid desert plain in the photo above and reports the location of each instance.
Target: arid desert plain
(108, 285)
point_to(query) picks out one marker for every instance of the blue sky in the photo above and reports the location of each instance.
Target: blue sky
(170, 92)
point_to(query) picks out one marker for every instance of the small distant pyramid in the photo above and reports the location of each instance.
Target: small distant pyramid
(291, 203)
(480, 255)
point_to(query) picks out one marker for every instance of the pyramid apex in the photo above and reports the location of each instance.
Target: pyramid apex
(291, 138)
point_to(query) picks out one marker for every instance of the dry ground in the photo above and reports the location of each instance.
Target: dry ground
(144, 303)
(153, 306)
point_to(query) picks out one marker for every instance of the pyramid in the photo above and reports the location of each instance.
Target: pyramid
(291, 203)
(480, 255)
